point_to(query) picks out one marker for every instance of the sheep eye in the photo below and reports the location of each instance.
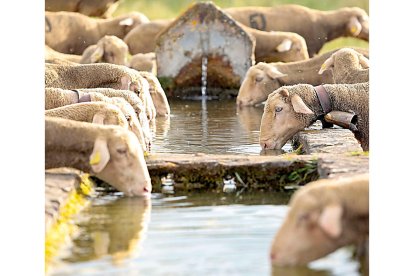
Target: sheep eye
(259, 79)
(121, 151)
(278, 109)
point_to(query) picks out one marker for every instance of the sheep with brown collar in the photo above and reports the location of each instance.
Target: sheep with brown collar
(324, 215)
(101, 113)
(72, 33)
(317, 27)
(111, 153)
(348, 66)
(263, 78)
(290, 109)
(56, 97)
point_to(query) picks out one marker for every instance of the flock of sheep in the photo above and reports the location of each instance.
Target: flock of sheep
(101, 103)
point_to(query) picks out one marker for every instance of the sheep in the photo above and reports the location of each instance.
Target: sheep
(290, 109)
(141, 39)
(57, 97)
(348, 66)
(263, 78)
(72, 33)
(158, 96)
(97, 8)
(278, 46)
(270, 46)
(317, 27)
(143, 62)
(102, 113)
(324, 215)
(109, 49)
(111, 153)
(52, 56)
(93, 76)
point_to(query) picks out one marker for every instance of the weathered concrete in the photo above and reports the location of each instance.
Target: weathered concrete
(203, 31)
(333, 165)
(59, 183)
(203, 171)
(327, 140)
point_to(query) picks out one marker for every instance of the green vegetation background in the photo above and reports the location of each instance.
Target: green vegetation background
(160, 9)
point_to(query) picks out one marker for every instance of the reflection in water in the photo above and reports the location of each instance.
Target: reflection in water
(194, 234)
(115, 228)
(216, 127)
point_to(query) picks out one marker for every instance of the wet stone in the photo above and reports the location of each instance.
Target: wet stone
(331, 165)
(327, 140)
(58, 185)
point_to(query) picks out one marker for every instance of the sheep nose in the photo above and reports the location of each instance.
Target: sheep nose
(264, 145)
(146, 189)
(273, 256)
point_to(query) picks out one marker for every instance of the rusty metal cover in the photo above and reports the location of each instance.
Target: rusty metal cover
(203, 31)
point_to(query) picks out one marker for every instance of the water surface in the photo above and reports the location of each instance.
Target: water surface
(196, 234)
(216, 127)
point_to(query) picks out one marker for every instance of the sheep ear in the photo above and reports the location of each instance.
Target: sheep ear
(284, 46)
(98, 118)
(97, 54)
(273, 73)
(330, 220)
(326, 65)
(299, 106)
(284, 93)
(125, 82)
(126, 22)
(354, 27)
(363, 61)
(100, 155)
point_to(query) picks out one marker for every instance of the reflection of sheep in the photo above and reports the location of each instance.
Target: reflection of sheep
(324, 215)
(157, 94)
(109, 49)
(348, 66)
(317, 27)
(93, 76)
(292, 108)
(101, 113)
(72, 33)
(264, 78)
(98, 8)
(111, 153)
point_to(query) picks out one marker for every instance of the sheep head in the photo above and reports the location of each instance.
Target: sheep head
(308, 232)
(260, 80)
(358, 24)
(280, 120)
(119, 160)
(343, 60)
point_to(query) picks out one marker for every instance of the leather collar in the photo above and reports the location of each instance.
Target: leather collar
(82, 97)
(323, 98)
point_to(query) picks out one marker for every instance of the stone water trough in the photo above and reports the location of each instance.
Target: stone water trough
(205, 34)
